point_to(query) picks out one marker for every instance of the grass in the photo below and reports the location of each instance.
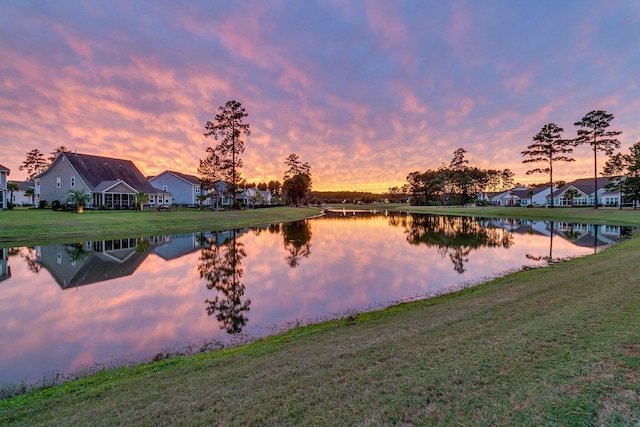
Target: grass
(41, 226)
(552, 346)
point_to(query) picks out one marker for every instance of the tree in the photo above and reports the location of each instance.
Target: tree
(571, 194)
(274, 187)
(297, 179)
(209, 173)
(31, 192)
(58, 150)
(12, 187)
(548, 147)
(141, 199)
(459, 175)
(594, 132)
(227, 128)
(615, 167)
(34, 163)
(79, 198)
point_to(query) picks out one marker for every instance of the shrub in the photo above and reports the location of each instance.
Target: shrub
(42, 204)
(55, 205)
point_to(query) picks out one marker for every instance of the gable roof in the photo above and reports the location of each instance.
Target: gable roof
(4, 169)
(23, 185)
(96, 170)
(191, 179)
(585, 185)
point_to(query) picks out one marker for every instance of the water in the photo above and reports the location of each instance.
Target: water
(68, 307)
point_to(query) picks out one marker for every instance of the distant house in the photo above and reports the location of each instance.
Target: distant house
(522, 196)
(585, 194)
(112, 183)
(519, 196)
(184, 189)
(20, 197)
(4, 194)
(254, 197)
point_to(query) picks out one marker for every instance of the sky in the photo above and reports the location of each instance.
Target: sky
(364, 91)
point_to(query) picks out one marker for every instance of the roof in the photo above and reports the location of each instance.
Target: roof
(585, 185)
(24, 185)
(95, 170)
(4, 169)
(191, 179)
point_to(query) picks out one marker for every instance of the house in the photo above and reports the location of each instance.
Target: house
(254, 197)
(21, 197)
(4, 194)
(519, 196)
(184, 189)
(522, 196)
(112, 183)
(583, 189)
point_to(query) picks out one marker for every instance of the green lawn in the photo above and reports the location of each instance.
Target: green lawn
(557, 346)
(40, 226)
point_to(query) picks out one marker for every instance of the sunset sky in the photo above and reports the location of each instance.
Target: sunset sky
(365, 91)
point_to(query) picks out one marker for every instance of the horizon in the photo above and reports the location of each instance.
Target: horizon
(366, 92)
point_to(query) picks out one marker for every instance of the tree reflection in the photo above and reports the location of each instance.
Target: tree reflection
(550, 226)
(220, 266)
(297, 238)
(454, 237)
(30, 257)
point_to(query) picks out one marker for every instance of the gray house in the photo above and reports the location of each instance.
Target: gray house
(184, 189)
(4, 194)
(112, 183)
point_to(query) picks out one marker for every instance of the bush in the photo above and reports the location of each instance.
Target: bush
(55, 205)
(10, 206)
(42, 204)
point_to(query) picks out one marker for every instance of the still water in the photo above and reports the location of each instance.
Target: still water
(68, 307)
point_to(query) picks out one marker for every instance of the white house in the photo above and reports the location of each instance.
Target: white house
(184, 189)
(4, 194)
(20, 197)
(522, 196)
(254, 197)
(584, 194)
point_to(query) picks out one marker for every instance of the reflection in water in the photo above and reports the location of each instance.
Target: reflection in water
(146, 294)
(297, 238)
(220, 266)
(84, 263)
(452, 236)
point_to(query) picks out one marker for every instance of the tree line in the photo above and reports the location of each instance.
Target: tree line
(454, 184)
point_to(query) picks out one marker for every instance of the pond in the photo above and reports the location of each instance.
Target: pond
(66, 308)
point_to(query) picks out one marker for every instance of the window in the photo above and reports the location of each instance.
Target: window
(164, 188)
(197, 189)
(73, 181)
(58, 183)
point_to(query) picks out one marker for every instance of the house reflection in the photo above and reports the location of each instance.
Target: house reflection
(583, 235)
(79, 264)
(5, 269)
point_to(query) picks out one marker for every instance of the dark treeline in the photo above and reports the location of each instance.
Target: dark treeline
(347, 197)
(454, 184)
